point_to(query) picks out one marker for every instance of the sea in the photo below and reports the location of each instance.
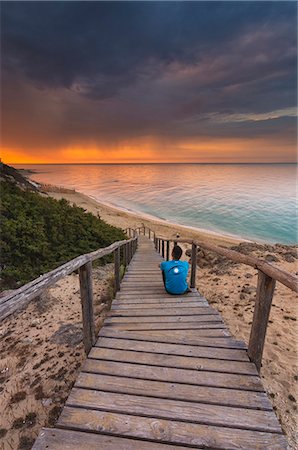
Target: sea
(252, 201)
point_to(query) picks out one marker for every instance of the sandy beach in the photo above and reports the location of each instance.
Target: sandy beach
(42, 350)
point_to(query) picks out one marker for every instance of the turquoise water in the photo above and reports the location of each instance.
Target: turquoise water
(256, 202)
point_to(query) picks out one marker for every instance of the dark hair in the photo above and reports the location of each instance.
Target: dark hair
(177, 252)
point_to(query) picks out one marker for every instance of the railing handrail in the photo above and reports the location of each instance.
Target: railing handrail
(36, 286)
(22, 296)
(284, 277)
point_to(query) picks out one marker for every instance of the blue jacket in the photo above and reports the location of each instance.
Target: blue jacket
(175, 276)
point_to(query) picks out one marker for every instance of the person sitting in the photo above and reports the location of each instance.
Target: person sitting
(174, 273)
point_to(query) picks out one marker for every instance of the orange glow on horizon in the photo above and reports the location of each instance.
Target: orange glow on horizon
(154, 150)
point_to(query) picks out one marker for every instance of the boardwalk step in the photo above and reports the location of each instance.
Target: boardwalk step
(169, 431)
(145, 406)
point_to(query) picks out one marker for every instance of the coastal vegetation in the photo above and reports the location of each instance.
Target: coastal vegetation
(39, 233)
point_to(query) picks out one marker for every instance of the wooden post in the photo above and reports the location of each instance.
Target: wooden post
(149, 231)
(193, 266)
(265, 290)
(85, 274)
(117, 268)
(168, 250)
(127, 254)
(134, 246)
(124, 255)
(158, 245)
(130, 250)
(163, 248)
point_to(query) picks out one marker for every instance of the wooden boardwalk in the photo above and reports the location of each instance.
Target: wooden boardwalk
(164, 373)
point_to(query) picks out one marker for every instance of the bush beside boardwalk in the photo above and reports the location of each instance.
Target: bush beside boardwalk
(39, 234)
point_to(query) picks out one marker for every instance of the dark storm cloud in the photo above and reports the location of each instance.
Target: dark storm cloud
(112, 70)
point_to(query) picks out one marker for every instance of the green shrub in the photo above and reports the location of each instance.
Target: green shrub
(39, 234)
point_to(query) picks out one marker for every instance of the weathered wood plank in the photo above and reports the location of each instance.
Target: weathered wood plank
(207, 414)
(158, 300)
(164, 326)
(59, 439)
(172, 349)
(188, 376)
(218, 333)
(175, 337)
(177, 391)
(182, 362)
(178, 433)
(183, 311)
(165, 319)
(137, 297)
(162, 305)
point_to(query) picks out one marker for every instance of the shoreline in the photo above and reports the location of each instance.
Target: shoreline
(216, 230)
(125, 218)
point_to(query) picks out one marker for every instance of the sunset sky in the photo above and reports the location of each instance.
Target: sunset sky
(148, 82)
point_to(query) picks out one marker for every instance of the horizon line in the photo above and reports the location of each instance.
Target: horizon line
(146, 163)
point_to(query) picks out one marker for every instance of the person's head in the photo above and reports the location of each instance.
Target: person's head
(176, 252)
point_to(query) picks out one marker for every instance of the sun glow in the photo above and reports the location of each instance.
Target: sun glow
(155, 150)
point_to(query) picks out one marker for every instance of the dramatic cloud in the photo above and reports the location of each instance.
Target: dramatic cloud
(152, 76)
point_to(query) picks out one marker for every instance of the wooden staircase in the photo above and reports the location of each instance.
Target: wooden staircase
(164, 373)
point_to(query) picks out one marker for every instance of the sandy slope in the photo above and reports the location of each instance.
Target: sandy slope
(41, 353)
(41, 346)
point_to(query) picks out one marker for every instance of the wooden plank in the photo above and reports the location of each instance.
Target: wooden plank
(218, 333)
(158, 300)
(183, 311)
(175, 337)
(165, 319)
(172, 349)
(186, 304)
(178, 433)
(217, 415)
(142, 290)
(141, 283)
(145, 295)
(188, 376)
(182, 362)
(165, 389)
(59, 439)
(164, 326)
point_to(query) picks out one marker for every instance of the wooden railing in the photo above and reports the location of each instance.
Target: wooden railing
(268, 275)
(83, 264)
